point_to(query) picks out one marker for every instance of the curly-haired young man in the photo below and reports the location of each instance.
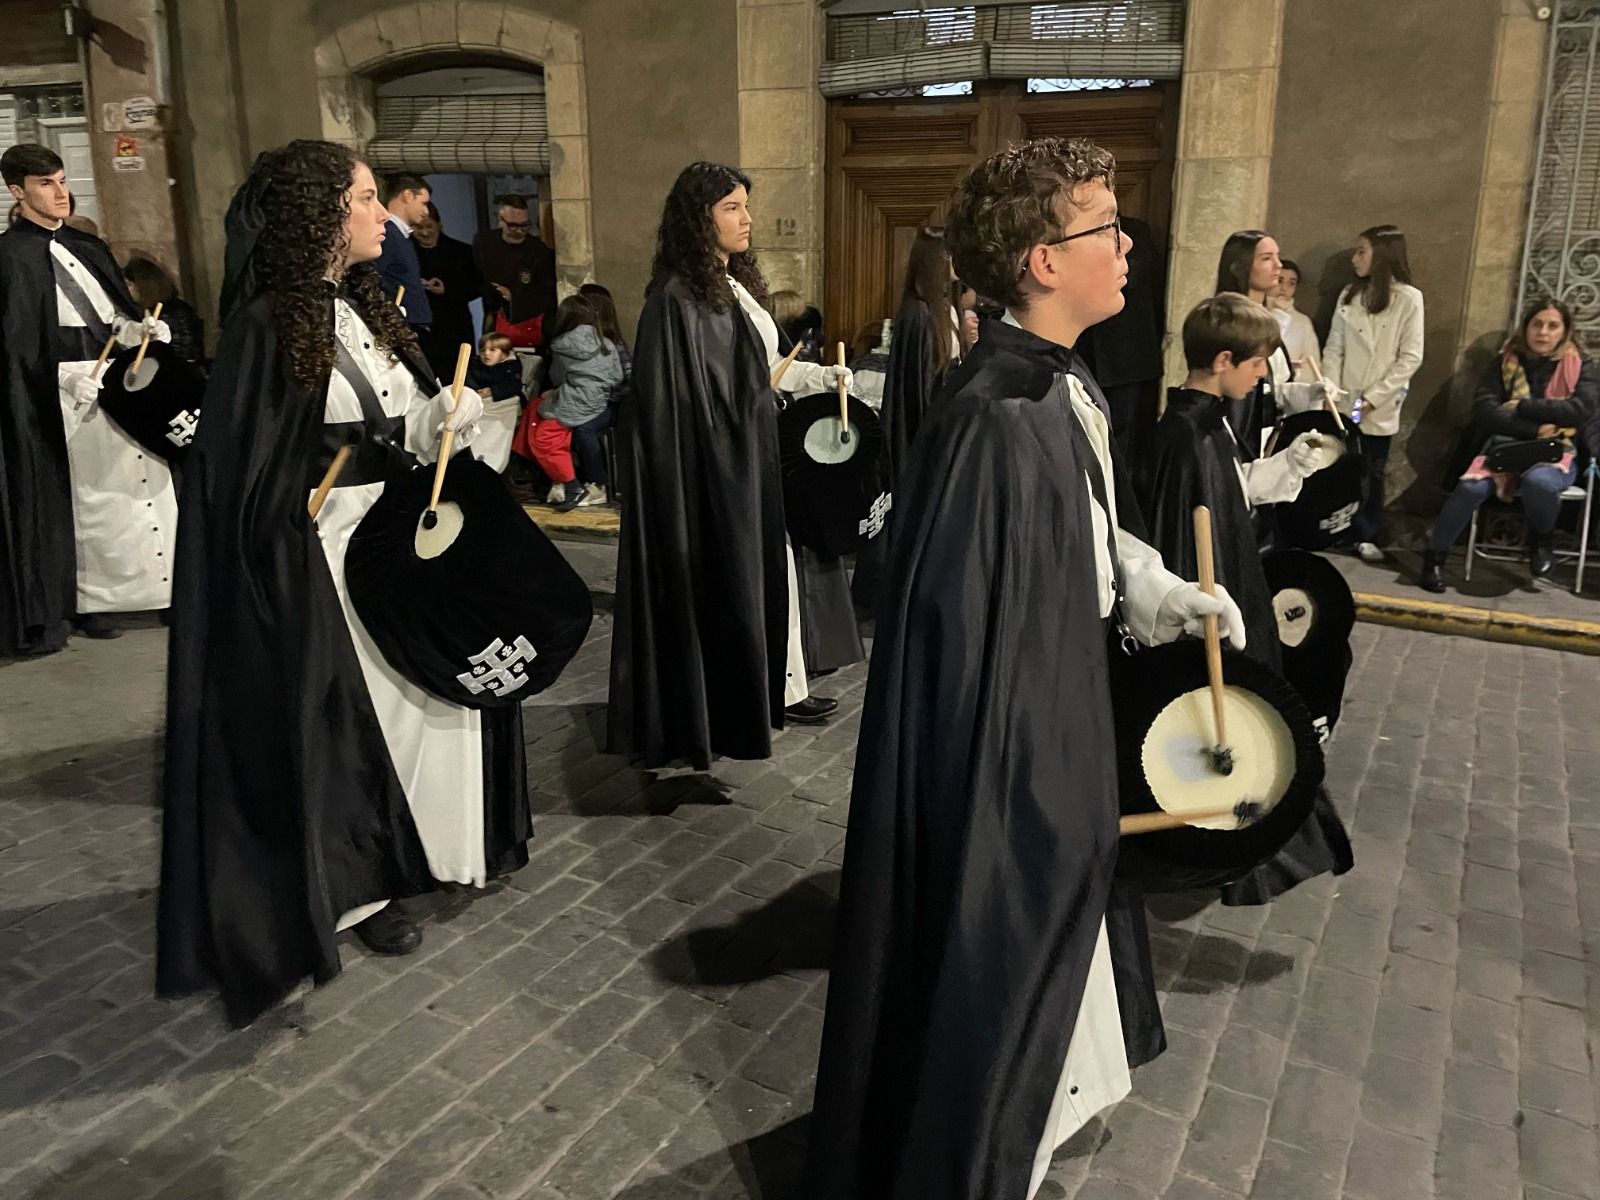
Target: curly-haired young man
(977, 885)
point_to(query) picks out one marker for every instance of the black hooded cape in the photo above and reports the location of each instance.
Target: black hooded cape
(283, 811)
(1192, 462)
(38, 542)
(983, 822)
(698, 648)
(908, 389)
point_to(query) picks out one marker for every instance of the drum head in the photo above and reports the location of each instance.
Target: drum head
(481, 610)
(160, 406)
(833, 493)
(1162, 705)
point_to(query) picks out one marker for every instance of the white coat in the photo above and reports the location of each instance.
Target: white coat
(1374, 356)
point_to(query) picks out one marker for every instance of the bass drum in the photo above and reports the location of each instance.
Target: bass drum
(1161, 701)
(159, 406)
(1330, 498)
(1315, 613)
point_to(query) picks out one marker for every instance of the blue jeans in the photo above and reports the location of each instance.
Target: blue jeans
(589, 454)
(1540, 493)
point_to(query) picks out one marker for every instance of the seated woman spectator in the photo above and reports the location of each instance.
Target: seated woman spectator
(1540, 386)
(150, 285)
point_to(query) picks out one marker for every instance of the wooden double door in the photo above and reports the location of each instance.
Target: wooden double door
(892, 165)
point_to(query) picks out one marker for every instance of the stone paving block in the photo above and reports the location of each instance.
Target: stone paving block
(1384, 1165)
(1482, 1092)
(1226, 1139)
(1553, 1033)
(1286, 1170)
(610, 1153)
(1314, 1108)
(1480, 973)
(497, 1038)
(1559, 1154)
(393, 1119)
(1403, 1094)
(1476, 1160)
(1249, 1061)
(519, 1154)
(330, 1169)
(513, 1089)
(1560, 1093)
(430, 1156)
(390, 1059)
(1143, 1149)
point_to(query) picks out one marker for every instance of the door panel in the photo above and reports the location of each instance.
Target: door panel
(892, 165)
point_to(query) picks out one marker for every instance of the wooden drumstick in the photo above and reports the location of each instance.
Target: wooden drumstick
(1221, 752)
(844, 401)
(138, 359)
(788, 361)
(399, 295)
(431, 517)
(320, 496)
(105, 353)
(1244, 812)
(1327, 401)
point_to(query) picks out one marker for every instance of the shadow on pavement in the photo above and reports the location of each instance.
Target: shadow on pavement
(791, 932)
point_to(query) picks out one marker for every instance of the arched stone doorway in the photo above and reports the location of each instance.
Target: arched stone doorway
(415, 37)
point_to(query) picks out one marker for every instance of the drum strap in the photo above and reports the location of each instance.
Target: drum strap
(99, 331)
(351, 371)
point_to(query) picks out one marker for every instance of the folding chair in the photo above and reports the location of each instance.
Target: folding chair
(1507, 550)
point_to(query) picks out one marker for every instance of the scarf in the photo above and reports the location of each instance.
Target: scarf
(1515, 378)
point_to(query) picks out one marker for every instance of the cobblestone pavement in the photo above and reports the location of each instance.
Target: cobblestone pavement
(636, 1014)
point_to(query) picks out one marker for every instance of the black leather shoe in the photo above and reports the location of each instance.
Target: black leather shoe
(813, 710)
(389, 931)
(1432, 579)
(97, 626)
(1540, 558)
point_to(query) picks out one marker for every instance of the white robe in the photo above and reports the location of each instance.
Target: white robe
(124, 508)
(436, 746)
(803, 378)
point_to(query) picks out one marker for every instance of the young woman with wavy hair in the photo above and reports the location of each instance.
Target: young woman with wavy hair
(309, 787)
(706, 656)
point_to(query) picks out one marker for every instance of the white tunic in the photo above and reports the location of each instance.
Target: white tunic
(803, 378)
(436, 746)
(124, 508)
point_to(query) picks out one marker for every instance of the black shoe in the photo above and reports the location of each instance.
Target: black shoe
(1540, 557)
(575, 494)
(96, 626)
(389, 931)
(1432, 579)
(813, 710)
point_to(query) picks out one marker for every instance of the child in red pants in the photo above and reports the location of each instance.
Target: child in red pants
(585, 370)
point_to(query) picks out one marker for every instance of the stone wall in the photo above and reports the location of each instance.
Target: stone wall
(1383, 113)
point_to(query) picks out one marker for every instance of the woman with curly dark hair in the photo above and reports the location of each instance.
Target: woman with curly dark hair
(706, 656)
(308, 786)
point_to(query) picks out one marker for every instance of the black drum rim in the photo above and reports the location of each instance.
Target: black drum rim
(1336, 605)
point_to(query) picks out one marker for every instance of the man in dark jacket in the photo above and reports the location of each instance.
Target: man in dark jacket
(517, 269)
(406, 198)
(1124, 351)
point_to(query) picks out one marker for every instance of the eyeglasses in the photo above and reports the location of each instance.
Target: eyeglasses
(1115, 223)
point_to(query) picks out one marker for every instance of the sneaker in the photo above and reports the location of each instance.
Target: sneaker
(558, 493)
(575, 496)
(596, 495)
(1369, 552)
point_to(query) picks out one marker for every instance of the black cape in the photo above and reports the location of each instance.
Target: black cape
(282, 807)
(908, 388)
(38, 542)
(1192, 462)
(702, 609)
(450, 262)
(983, 822)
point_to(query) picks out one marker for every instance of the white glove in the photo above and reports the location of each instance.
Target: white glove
(464, 420)
(1184, 611)
(83, 390)
(832, 375)
(130, 332)
(1303, 454)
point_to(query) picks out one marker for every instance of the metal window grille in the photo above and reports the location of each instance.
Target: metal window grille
(497, 134)
(1561, 249)
(1087, 39)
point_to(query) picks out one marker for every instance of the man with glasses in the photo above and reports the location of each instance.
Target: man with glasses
(517, 269)
(990, 986)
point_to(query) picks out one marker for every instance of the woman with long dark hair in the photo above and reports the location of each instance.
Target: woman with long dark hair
(309, 787)
(1374, 347)
(1249, 266)
(706, 655)
(1541, 386)
(150, 285)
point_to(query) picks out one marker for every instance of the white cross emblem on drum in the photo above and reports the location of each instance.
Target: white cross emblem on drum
(498, 668)
(872, 526)
(1340, 520)
(180, 430)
